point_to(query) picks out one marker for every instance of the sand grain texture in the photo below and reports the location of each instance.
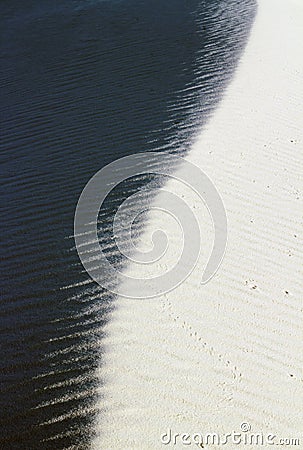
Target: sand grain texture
(207, 358)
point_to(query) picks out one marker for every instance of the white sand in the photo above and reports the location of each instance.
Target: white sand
(207, 358)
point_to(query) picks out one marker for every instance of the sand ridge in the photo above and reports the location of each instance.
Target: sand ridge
(209, 358)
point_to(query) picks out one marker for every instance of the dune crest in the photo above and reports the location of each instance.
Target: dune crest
(208, 358)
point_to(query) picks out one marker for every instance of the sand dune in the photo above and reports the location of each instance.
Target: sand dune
(207, 358)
